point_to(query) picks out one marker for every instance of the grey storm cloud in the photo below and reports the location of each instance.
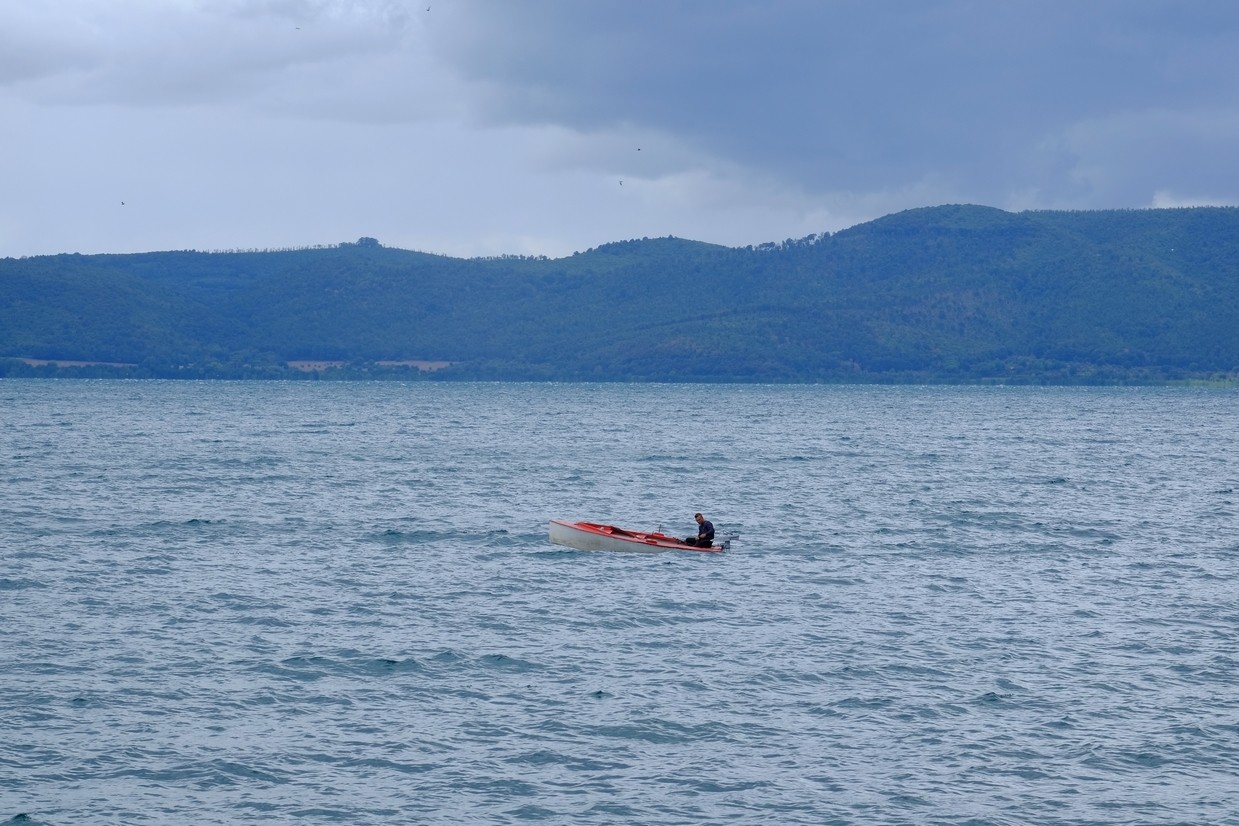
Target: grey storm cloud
(991, 100)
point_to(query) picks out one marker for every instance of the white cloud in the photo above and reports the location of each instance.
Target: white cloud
(1169, 200)
(1123, 158)
(189, 53)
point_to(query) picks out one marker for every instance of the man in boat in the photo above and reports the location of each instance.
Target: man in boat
(705, 533)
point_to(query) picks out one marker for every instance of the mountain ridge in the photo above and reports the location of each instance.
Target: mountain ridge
(949, 293)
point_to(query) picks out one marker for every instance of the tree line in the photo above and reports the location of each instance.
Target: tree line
(941, 294)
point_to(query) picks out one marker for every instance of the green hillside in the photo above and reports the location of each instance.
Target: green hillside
(952, 293)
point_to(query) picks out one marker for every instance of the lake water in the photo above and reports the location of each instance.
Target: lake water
(336, 603)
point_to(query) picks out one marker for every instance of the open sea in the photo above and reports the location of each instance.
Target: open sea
(322, 603)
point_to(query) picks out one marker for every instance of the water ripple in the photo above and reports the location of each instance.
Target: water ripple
(336, 603)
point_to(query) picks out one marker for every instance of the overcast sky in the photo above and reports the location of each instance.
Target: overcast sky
(482, 127)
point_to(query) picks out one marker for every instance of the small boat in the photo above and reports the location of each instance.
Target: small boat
(590, 536)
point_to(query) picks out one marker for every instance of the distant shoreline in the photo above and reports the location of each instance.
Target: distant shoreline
(12, 367)
(314, 366)
(303, 365)
(65, 363)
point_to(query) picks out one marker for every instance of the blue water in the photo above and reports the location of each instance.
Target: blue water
(335, 603)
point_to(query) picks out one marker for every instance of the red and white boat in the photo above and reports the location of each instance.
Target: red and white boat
(589, 536)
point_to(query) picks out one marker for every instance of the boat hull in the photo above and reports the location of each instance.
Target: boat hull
(590, 536)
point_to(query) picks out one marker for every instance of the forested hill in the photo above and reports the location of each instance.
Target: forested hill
(951, 293)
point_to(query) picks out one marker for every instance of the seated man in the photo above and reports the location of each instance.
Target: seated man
(705, 533)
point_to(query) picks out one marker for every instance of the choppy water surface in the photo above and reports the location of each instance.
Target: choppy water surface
(335, 603)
